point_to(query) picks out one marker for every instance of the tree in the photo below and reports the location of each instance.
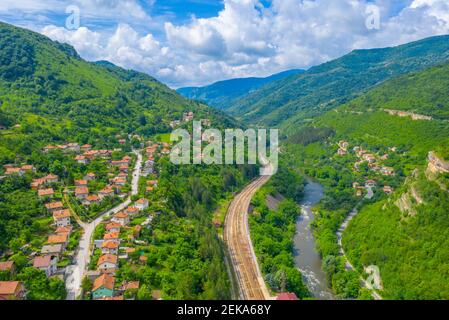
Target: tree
(144, 293)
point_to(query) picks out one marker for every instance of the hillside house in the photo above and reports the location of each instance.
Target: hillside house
(62, 218)
(81, 183)
(51, 178)
(112, 236)
(61, 239)
(92, 199)
(118, 181)
(121, 217)
(64, 230)
(46, 193)
(14, 171)
(90, 176)
(81, 159)
(142, 204)
(108, 191)
(388, 189)
(131, 285)
(46, 264)
(37, 183)
(54, 206)
(387, 171)
(132, 211)
(54, 250)
(110, 247)
(370, 184)
(8, 267)
(107, 263)
(81, 193)
(12, 290)
(86, 147)
(113, 227)
(103, 287)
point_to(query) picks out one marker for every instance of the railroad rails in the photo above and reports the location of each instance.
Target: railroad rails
(237, 238)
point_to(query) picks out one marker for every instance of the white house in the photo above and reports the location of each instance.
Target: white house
(121, 217)
(62, 218)
(107, 262)
(46, 264)
(142, 204)
(109, 247)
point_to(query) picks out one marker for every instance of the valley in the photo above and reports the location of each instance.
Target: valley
(92, 207)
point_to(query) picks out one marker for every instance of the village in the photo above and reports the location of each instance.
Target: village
(64, 202)
(374, 165)
(94, 194)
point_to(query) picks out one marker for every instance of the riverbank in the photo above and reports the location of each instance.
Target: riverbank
(307, 258)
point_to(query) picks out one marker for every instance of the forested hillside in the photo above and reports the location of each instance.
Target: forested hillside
(49, 96)
(295, 100)
(55, 95)
(359, 142)
(223, 94)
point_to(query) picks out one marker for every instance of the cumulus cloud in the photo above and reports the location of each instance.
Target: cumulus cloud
(248, 38)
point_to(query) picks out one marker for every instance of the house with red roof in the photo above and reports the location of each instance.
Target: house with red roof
(46, 264)
(107, 263)
(103, 287)
(287, 296)
(62, 218)
(110, 247)
(142, 204)
(81, 193)
(12, 290)
(121, 217)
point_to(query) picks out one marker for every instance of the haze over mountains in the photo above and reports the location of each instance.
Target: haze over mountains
(222, 94)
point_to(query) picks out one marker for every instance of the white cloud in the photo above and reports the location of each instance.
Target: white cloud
(248, 39)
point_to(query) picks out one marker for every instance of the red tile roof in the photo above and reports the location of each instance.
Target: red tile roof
(54, 205)
(110, 245)
(42, 262)
(57, 238)
(46, 192)
(105, 281)
(107, 258)
(8, 287)
(131, 285)
(81, 190)
(61, 214)
(113, 225)
(121, 215)
(111, 235)
(6, 266)
(286, 296)
(63, 230)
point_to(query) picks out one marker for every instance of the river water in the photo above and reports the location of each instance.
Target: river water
(307, 258)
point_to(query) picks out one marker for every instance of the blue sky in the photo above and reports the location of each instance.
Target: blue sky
(197, 42)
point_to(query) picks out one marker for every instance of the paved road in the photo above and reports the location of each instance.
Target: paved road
(237, 238)
(76, 272)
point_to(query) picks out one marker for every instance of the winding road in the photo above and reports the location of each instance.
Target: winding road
(75, 272)
(237, 239)
(340, 232)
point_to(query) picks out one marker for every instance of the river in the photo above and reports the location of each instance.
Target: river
(307, 258)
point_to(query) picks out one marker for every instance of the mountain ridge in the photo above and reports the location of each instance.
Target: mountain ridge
(222, 93)
(290, 102)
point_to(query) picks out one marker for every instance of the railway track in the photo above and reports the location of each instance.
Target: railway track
(237, 239)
